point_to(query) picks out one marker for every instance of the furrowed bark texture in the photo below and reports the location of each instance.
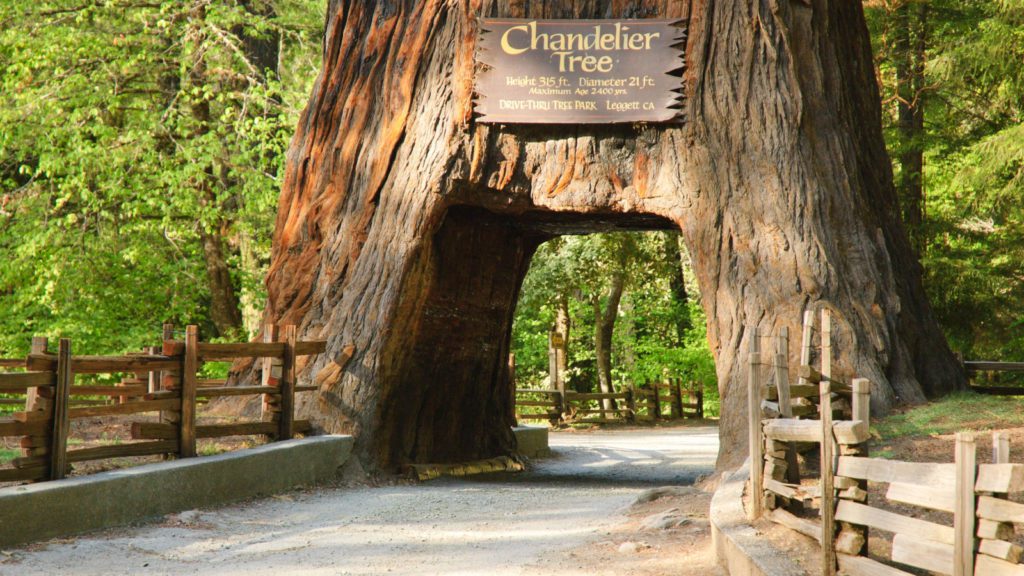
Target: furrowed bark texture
(405, 228)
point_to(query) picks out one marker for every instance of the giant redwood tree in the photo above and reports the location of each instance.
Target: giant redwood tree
(405, 226)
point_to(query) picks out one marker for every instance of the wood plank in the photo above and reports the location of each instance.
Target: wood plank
(857, 513)
(235, 391)
(12, 362)
(575, 396)
(123, 450)
(307, 388)
(792, 491)
(187, 416)
(989, 566)
(930, 497)
(538, 391)
(1000, 448)
(1002, 549)
(127, 408)
(828, 452)
(289, 378)
(755, 444)
(789, 430)
(164, 431)
(924, 554)
(15, 428)
(37, 472)
(881, 470)
(541, 403)
(806, 527)
(129, 391)
(849, 432)
(795, 391)
(966, 462)
(864, 566)
(1000, 510)
(992, 530)
(103, 364)
(989, 366)
(58, 460)
(1000, 478)
(310, 347)
(22, 381)
(210, 351)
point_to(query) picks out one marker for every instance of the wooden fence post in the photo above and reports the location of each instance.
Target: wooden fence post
(189, 377)
(1000, 448)
(785, 400)
(674, 390)
(270, 375)
(631, 403)
(828, 496)
(754, 424)
(963, 515)
(805, 342)
(61, 422)
(286, 424)
(655, 401)
(33, 401)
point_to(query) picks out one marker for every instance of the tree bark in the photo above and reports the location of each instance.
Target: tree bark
(604, 329)
(559, 344)
(910, 55)
(405, 228)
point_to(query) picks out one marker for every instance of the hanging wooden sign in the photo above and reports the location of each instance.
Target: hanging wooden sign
(579, 71)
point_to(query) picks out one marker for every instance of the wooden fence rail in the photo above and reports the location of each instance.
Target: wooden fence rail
(640, 403)
(166, 384)
(978, 541)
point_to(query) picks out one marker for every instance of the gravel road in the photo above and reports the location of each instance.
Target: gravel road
(496, 525)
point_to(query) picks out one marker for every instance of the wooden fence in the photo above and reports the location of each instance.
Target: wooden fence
(165, 383)
(649, 402)
(978, 539)
(990, 371)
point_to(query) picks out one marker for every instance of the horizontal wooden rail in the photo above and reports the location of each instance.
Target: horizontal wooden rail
(12, 362)
(121, 409)
(218, 351)
(537, 391)
(160, 431)
(22, 381)
(989, 366)
(105, 364)
(235, 391)
(577, 396)
(128, 391)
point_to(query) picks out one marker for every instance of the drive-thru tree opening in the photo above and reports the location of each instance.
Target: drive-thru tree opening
(405, 226)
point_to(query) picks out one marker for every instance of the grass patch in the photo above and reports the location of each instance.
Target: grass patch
(8, 454)
(956, 412)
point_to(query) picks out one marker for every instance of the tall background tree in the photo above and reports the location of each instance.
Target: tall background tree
(953, 97)
(141, 146)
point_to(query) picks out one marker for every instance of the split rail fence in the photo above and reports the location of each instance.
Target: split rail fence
(977, 541)
(164, 382)
(652, 401)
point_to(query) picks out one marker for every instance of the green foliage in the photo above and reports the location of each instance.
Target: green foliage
(973, 142)
(127, 130)
(647, 343)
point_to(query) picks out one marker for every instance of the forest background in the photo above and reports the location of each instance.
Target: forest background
(142, 148)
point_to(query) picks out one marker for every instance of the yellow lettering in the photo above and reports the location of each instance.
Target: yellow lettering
(507, 47)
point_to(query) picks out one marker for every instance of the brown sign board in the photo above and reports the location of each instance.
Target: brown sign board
(578, 71)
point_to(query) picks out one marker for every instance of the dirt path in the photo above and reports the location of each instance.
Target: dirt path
(571, 514)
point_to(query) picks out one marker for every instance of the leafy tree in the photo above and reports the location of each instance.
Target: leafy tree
(141, 148)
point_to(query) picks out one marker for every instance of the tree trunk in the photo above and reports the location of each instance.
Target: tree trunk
(604, 329)
(911, 42)
(677, 286)
(224, 310)
(405, 228)
(558, 343)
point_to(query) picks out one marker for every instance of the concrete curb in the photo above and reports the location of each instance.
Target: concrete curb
(64, 507)
(740, 549)
(532, 441)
